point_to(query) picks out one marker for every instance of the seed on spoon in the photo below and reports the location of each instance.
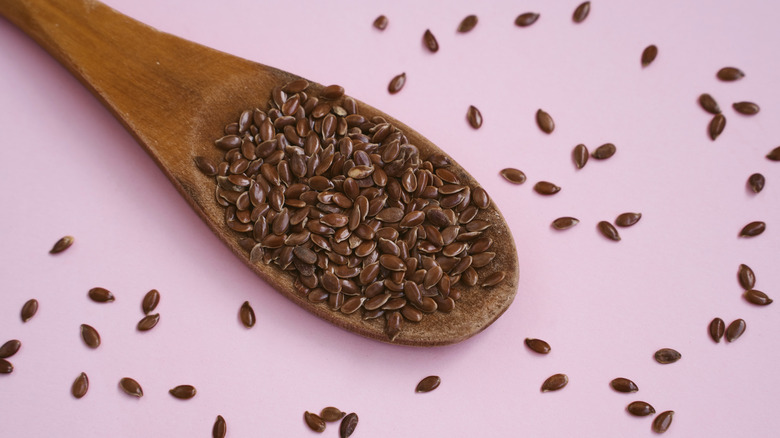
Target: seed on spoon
(555, 382)
(753, 229)
(621, 384)
(746, 108)
(756, 182)
(131, 387)
(100, 295)
(564, 223)
(80, 386)
(717, 329)
(735, 330)
(61, 245)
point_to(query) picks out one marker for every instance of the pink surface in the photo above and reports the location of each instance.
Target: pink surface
(605, 307)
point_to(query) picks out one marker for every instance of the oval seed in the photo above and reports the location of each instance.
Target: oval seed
(515, 176)
(604, 151)
(247, 315)
(627, 219)
(183, 392)
(397, 83)
(474, 116)
(581, 13)
(608, 230)
(6, 367)
(757, 297)
(545, 121)
(150, 301)
(580, 155)
(752, 229)
(430, 41)
(649, 54)
(774, 154)
(468, 23)
(747, 279)
(494, 278)
(90, 336)
(564, 223)
(148, 322)
(332, 92)
(61, 245)
(131, 387)
(717, 124)
(640, 409)
(729, 74)
(100, 295)
(735, 330)
(10, 348)
(330, 414)
(393, 325)
(746, 108)
(526, 19)
(220, 428)
(756, 182)
(314, 422)
(717, 329)
(428, 384)
(538, 345)
(380, 22)
(348, 425)
(29, 309)
(667, 356)
(662, 421)
(80, 386)
(555, 382)
(709, 104)
(546, 188)
(621, 384)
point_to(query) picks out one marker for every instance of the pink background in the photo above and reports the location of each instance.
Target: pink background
(69, 168)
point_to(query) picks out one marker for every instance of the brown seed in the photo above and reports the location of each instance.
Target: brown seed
(430, 41)
(247, 315)
(717, 124)
(604, 151)
(581, 13)
(397, 83)
(752, 229)
(494, 278)
(515, 176)
(393, 326)
(564, 223)
(667, 356)
(774, 154)
(148, 322)
(10, 348)
(717, 329)
(746, 108)
(296, 86)
(29, 309)
(468, 23)
(609, 231)
(474, 116)
(6, 367)
(544, 121)
(131, 387)
(662, 421)
(100, 295)
(348, 425)
(756, 182)
(150, 301)
(428, 384)
(735, 330)
(80, 386)
(526, 19)
(555, 382)
(627, 219)
(61, 245)
(649, 54)
(746, 276)
(580, 155)
(754, 296)
(729, 74)
(640, 409)
(621, 384)
(330, 414)
(184, 392)
(538, 345)
(332, 92)
(380, 22)
(220, 428)
(314, 421)
(546, 188)
(709, 104)
(90, 336)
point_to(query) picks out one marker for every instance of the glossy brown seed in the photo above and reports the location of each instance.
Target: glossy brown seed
(627, 219)
(752, 229)
(621, 384)
(746, 108)
(430, 41)
(150, 301)
(10, 348)
(90, 336)
(380, 22)
(756, 182)
(709, 104)
(428, 384)
(754, 296)
(604, 151)
(746, 277)
(61, 245)
(564, 223)
(662, 421)
(247, 315)
(148, 322)
(717, 329)
(80, 386)
(526, 19)
(546, 188)
(397, 83)
(330, 414)
(580, 155)
(6, 367)
(474, 116)
(494, 279)
(667, 356)
(467, 24)
(640, 409)
(314, 421)
(649, 54)
(717, 124)
(537, 345)
(29, 309)
(555, 382)
(729, 74)
(100, 295)
(220, 428)
(515, 176)
(332, 92)
(774, 154)
(735, 330)
(393, 325)
(184, 392)
(581, 13)
(545, 121)
(348, 425)
(608, 230)
(131, 387)
(296, 86)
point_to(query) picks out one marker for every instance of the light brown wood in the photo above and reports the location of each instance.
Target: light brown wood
(175, 97)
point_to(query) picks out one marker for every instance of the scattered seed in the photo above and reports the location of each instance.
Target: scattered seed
(330, 414)
(756, 182)
(627, 219)
(649, 54)
(604, 151)
(717, 124)
(662, 421)
(526, 19)
(580, 155)
(621, 384)
(467, 24)
(314, 422)
(564, 223)
(754, 296)
(474, 117)
(709, 104)
(581, 13)
(555, 382)
(640, 409)
(515, 176)
(380, 22)
(735, 330)
(29, 309)
(90, 336)
(729, 74)
(746, 276)
(148, 322)
(150, 301)
(538, 345)
(667, 356)
(6, 367)
(10, 348)
(546, 188)
(220, 428)
(774, 154)
(717, 329)
(608, 230)
(545, 121)
(430, 41)
(247, 315)
(752, 229)
(131, 387)
(397, 83)
(746, 108)
(428, 384)
(100, 295)
(80, 386)
(348, 425)
(61, 245)
(184, 392)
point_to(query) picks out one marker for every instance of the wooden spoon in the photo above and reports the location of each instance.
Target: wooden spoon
(175, 97)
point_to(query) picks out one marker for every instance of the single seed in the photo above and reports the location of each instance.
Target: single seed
(131, 387)
(621, 384)
(428, 384)
(564, 223)
(100, 295)
(756, 182)
(662, 421)
(746, 108)
(397, 83)
(494, 278)
(150, 301)
(526, 19)
(649, 54)
(10, 348)
(348, 425)
(729, 74)
(474, 117)
(580, 155)
(220, 428)
(752, 229)
(545, 121)
(148, 322)
(206, 166)
(546, 188)
(709, 104)
(774, 154)
(604, 151)
(735, 330)
(608, 230)
(717, 329)
(515, 176)
(640, 409)
(80, 386)
(581, 13)
(430, 41)
(330, 414)
(555, 382)
(717, 124)
(247, 315)
(184, 392)
(754, 296)
(538, 345)
(61, 245)
(90, 336)
(746, 276)
(380, 22)
(667, 356)
(314, 422)
(6, 367)
(627, 219)
(29, 309)
(467, 24)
